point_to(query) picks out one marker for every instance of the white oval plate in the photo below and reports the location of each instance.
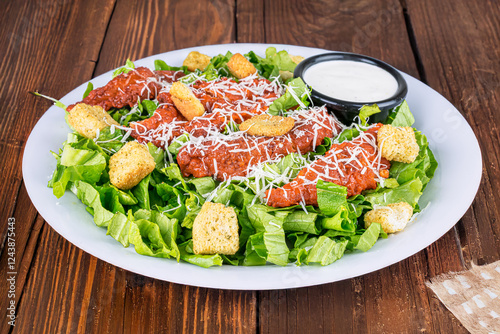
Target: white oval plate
(449, 194)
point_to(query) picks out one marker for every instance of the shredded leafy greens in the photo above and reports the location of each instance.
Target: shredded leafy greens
(156, 216)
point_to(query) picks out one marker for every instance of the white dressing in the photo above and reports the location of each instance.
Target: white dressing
(352, 81)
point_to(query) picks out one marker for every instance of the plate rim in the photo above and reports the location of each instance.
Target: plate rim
(215, 284)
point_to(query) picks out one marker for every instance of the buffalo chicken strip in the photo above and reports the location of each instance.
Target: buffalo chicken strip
(228, 156)
(127, 89)
(354, 164)
(224, 100)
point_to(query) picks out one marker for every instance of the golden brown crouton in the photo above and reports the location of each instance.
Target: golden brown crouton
(130, 165)
(240, 67)
(398, 143)
(196, 61)
(215, 230)
(296, 59)
(267, 125)
(392, 218)
(87, 120)
(185, 101)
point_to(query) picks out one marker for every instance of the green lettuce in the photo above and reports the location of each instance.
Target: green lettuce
(129, 66)
(326, 251)
(160, 65)
(366, 111)
(331, 197)
(269, 242)
(205, 261)
(300, 221)
(274, 62)
(92, 199)
(297, 94)
(401, 116)
(76, 164)
(90, 87)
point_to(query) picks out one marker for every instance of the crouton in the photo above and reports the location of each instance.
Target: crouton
(185, 101)
(240, 67)
(392, 218)
(267, 125)
(130, 165)
(87, 120)
(296, 59)
(196, 61)
(398, 143)
(215, 230)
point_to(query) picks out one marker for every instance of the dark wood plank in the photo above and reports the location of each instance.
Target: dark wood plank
(89, 295)
(36, 55)
(458, 55)
(394, 299)
(461, 63)
(143, 28)
(27, 229)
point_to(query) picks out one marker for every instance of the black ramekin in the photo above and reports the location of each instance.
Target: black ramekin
(346, 111)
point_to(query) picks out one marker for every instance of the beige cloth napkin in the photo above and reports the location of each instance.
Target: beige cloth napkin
(473, 296)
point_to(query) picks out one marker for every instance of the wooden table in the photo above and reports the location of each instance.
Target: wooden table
(54, 46)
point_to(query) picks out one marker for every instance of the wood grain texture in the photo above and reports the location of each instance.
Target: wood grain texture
(394, 299)
(460, 55)
(143, 28)
(70, 291)
(27, 229)
(90, 295)
(62, 289)
(33, 39)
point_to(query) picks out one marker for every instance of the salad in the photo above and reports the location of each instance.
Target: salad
(225, 160)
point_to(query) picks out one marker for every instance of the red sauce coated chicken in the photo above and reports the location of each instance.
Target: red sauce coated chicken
(353, 164)
(229, 156)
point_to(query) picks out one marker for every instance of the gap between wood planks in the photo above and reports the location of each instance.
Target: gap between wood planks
(421, 72)
(34, 234)
(104, 37)
(423, 77)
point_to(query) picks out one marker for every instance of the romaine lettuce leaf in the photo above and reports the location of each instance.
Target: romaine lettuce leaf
(119, 228)
(205, 261)
(401, 116)
(408, 192)
(300, 221)
(158, 155)
(297, 94)
(90, 87)
(203, 185)
(366, 111)
(141, 193)
(148, 240)
(326, 251)
(369, 237)
(423, 167)
(76, 164)
(160, 65)
(269, 241)
(331, 197)
(92, 199)
(274, 62)
(340, 222)
(175, 201)
(110, 140)
(129, 66)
